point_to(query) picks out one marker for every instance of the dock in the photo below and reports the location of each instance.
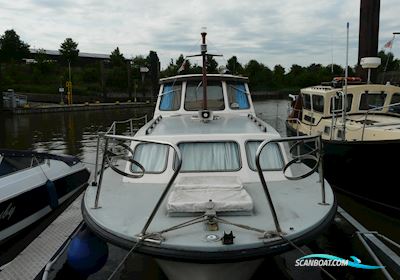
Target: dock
(30, 263)
(78, 107)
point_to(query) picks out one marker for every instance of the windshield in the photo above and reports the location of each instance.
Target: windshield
(171, 97)
(237, 96)
(194, 96)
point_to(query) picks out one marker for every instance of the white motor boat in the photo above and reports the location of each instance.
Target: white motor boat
(207, 188)
(32, 184)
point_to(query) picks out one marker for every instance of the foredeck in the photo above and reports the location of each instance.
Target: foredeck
(223, 125)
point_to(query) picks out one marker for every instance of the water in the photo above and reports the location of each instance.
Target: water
(75, 133)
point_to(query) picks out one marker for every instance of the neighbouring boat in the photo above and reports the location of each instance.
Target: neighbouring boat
(32, 184)
(203, 187)
(362, 142)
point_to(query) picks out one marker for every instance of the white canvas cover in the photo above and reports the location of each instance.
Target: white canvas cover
(192, 194)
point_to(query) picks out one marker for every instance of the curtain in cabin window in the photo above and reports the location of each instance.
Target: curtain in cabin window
(237, 96)
(171, 97)
(270, 158)
(153, 157)
(241, 96)
(215, 156)
(166, 99)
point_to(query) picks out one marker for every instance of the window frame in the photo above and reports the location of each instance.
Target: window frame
(203, 171)
(229, 84)
(304, 103)
(174, 92)
(208, 84)
(391, 102)
(255, 165)
(348, 97)
(372, 93)
(313, 103)
(150, 172)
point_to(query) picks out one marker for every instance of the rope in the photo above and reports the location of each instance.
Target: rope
(124, 259)
(143, 238)
(240, 225)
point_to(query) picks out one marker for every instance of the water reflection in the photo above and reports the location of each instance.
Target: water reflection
(68, 133)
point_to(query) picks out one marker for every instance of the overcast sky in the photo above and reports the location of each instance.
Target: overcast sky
(270, 31)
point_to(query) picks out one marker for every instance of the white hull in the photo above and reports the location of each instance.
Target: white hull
(195, 271)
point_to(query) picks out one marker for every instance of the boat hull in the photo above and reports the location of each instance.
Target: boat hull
(195, 271)
(26, 208)
(362, 170)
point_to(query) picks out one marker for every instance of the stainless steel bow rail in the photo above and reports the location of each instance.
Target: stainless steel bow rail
(298, 158)
(131, 139)
(112, 130)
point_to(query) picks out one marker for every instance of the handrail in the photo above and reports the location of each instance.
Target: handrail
(114, 124)
(318, 140)
(374, 109)
(113, 129)
(167, 188)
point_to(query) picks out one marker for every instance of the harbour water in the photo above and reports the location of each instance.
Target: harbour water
(75, 133)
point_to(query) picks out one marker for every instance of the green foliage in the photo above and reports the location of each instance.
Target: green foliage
(388, 61)
(117, 58)
(260, 76)
(234, 66)
(12, 48)
(212, 65)
(69, 50)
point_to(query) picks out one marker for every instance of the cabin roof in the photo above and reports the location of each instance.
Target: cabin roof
(224, 124)
(328, 90)
(210, 77)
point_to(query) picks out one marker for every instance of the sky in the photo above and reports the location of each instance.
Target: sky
(270, 31)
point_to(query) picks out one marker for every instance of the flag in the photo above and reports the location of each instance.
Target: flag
(389, 44)
(183, 66)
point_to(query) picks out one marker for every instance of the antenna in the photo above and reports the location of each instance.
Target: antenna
(203, 54)
(346, 75)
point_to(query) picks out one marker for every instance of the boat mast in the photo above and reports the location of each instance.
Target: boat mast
(346, 75)
(204, 55)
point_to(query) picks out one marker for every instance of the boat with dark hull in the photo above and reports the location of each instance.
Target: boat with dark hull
(361, 143)
(32, 184)
(207, 188)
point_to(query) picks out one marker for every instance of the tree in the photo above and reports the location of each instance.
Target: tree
(154, 67)
(68, 50)
(278, 75)
(234, 66)
(12, 48)
(42, 60)
(388, 61)
(117, 58)
(260, 76)
(212, 65)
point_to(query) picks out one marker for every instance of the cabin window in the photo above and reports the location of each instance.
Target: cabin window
(372, 101)
(171, 97)
(318, 103)
(153, 157)
(210, 156)
(237, 96)
(395, 100)
(194, 96)
(338, 102)
(307, 101)
(270, 158)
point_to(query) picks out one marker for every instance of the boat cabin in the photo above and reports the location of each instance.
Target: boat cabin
(184, 95)
(325, 101)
